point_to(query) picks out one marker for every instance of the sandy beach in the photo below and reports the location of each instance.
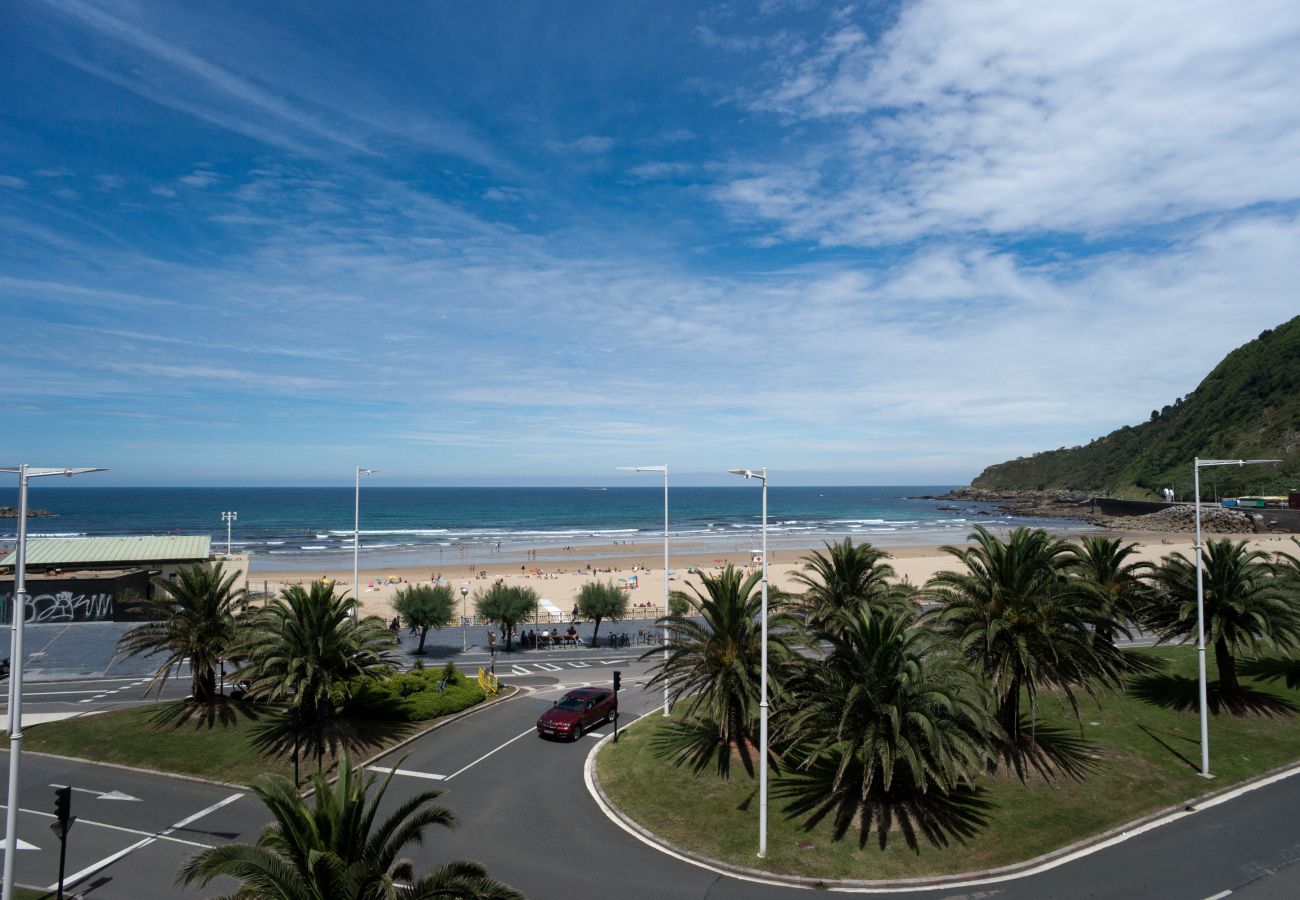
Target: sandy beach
(559, 574)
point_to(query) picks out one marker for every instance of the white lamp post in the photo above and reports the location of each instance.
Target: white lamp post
(229, 518)
(464, 618)
(356, 544)
(18, 610)
(761, 475)
(1197, 465)
(664, 469)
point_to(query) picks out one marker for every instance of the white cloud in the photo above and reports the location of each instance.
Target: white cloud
(200, 178)
(110, 182)
(1012, 116)
(12, 182)
(66, 194)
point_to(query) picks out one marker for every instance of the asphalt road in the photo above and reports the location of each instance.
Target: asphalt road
(525, 813)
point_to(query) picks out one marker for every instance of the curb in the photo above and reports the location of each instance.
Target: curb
(1010, 872)
(140, 770)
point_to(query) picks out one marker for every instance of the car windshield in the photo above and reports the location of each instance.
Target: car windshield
(572, 703)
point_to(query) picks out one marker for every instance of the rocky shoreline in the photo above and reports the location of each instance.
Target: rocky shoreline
(1077, 505)
(11, 512)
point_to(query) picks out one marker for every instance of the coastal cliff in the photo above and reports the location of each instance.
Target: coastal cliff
(11, 512)
(1248, 407)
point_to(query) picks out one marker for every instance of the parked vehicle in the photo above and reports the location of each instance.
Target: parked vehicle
(576, 712)
(4, 668)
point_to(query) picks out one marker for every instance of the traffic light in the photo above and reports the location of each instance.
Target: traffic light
(618, 679)
(63, 804)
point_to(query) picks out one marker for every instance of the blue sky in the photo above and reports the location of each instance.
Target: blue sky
(247, 243)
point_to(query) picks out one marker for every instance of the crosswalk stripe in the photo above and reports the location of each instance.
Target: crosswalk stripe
(520, 670)
(580, 665)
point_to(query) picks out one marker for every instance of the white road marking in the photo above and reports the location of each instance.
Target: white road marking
(579, 665)
(123, 828)
(111, 795)
(595, 734)
(114, 857)
(22, 845)
(532, 730)
(1219, 896)
(409, 772)
(55, 693)
(547, 667)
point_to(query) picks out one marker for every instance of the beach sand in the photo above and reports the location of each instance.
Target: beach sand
(559, 574)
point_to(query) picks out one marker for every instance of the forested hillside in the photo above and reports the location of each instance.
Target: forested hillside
(1248, 407)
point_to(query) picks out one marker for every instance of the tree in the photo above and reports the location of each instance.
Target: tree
(715, 665)
(844, 578)
(884, 726)
(1246, 605)
(340, 850)
(192, 621)
(507, 605)
(601, 600)
(1115, 585)
(1017, 615)
(305, 645)
(425, 606)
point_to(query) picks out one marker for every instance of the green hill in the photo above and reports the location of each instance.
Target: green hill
(1248, 407)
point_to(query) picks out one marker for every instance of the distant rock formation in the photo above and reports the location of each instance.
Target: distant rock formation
(11, 512)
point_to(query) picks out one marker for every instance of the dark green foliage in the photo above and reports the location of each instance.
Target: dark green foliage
(1017, 615)
(425, 606)
(305, 646)
(713, 666)
(678, 605)
(845, 578)
(888, 728)
(1113, 583)
(1248, 407)
(193, 618)
(599, 600)
(1248, 606)
(339, 848)
(507, 605)
(414, 696)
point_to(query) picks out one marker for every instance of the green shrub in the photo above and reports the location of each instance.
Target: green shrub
(414, 696)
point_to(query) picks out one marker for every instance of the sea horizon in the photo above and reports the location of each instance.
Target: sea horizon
(301, 528)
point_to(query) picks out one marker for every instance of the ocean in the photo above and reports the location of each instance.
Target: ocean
(307, 528)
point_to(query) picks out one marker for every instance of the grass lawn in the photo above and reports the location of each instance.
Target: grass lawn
(1149, 757)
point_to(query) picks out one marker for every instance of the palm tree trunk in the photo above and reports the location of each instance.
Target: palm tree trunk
(1223, 658)
(1009, 712)
(204, 686)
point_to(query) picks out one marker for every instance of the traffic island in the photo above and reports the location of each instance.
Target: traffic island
(1144, 760)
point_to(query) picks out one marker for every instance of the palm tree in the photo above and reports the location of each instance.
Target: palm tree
(1016, 614)
(715, 664)
(843, 578)
(338, 851)
(1246, 605)
(191, 619)
(886, 725)
(1115, 585)
(305, 645)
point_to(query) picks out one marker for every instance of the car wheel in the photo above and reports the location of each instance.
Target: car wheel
(611, 716)
(577, 732)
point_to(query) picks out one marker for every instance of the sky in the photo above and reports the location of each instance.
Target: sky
(524, 243)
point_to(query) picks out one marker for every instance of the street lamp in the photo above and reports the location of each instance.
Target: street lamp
(1197, 465)
(664, 469)
(229, 518)
(18, 615)
(761, 475)
(356, 544)
(464, 618)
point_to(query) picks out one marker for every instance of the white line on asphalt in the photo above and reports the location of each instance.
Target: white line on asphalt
(409, 772)
(1046, 865)
(112, 858)
(123, 828)
(519, 670)
(580, 665)
(547, 667)
(1219, 896)
(490, 752)
(53, 693)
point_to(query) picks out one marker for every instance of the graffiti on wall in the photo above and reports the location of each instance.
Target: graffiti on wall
(79, 599)
(66, 606)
